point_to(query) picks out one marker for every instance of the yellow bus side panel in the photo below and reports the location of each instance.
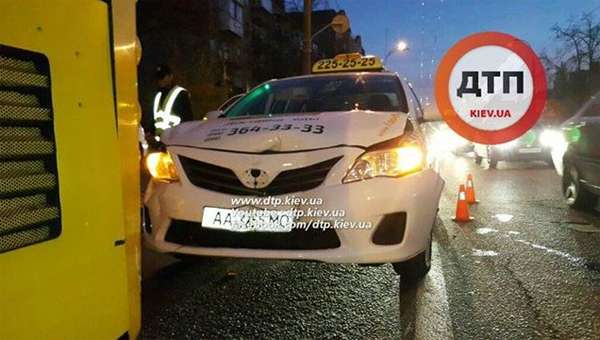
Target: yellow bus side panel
(127, 52)
(75, 286)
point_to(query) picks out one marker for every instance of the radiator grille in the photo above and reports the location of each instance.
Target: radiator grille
(29, 204)
(220, 179)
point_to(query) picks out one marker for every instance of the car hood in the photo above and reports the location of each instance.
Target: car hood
(289, 132)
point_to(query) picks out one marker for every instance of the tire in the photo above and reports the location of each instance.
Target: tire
(414, 270)
(576, 196)
(478, 159)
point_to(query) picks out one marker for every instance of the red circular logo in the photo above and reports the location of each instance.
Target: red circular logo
(490, 87)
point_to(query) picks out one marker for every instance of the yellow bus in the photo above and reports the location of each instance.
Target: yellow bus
(69, 170)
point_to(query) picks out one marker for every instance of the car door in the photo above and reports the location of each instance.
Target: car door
(584, 137)
(590, 158)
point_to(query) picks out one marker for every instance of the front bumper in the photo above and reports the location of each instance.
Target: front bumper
(367, 202)
(518, 153)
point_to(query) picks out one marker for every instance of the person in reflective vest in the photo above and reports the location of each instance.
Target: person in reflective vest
(171, 104)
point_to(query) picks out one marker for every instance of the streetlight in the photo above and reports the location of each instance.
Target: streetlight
(401, 46)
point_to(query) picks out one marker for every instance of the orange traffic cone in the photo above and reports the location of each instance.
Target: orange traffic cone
(470, 190)
(462, 207)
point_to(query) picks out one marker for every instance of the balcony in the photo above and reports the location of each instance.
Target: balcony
(231, 16)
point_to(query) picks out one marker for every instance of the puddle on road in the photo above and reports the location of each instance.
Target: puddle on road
(483, 231)
(479, 252)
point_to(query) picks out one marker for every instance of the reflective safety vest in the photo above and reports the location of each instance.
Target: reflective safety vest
(163, 115)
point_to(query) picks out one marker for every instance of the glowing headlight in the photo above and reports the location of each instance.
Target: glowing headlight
(161, 167)
(394, 162)
(552, 138)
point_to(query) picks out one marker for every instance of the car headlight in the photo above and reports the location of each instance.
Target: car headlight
(394, 162)
(161, 167)
(552, 138)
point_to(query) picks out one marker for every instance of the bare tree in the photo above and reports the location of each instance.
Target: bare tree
(572, 67)
(571, 37)
(582, 36)
(589, 36)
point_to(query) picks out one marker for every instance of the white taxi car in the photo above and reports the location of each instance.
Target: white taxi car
(327, 167)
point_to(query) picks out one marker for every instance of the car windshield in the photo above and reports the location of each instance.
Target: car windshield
(376, 92)
(230, 102)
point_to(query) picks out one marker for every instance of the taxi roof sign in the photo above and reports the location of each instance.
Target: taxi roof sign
(348, 63)
(345, 56)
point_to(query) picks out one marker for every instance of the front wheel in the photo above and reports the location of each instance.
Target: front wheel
(575, 194)
(414, 270)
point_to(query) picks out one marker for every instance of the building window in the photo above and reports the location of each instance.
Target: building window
(236, 11)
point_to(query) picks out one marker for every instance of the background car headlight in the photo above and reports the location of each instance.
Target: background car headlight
(445, 140)
(552, 138)
(161, 167)
(394, 162)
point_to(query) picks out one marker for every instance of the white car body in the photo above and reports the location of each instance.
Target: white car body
(345, 135)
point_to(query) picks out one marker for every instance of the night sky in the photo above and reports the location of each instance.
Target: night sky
(431, 26)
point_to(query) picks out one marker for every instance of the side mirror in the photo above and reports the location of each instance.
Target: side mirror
(213, 114)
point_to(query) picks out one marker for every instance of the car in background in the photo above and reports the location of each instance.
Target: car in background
(578, 161)
(535, 145)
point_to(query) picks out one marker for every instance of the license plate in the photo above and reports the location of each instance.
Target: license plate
(245, 220)
(530, 150)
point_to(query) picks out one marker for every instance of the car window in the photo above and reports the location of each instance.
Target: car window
(376, 92)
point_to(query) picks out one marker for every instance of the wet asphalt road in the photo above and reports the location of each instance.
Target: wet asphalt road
(527, 267)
